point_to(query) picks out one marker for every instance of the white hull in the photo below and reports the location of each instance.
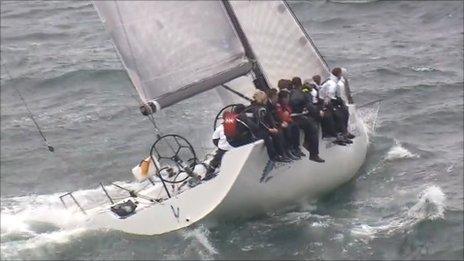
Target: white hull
(243, 188)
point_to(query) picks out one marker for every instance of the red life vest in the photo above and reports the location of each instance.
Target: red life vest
(284, 112)
(230, 124)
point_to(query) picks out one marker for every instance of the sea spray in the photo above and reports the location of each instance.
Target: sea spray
(31, 221)
(430, 206)
(199, 235)
(369, 115)
(399, 152)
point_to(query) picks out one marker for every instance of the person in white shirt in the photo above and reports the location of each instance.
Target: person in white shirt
(331, 94)
(327, 119)
(345, 92)
(220, 141)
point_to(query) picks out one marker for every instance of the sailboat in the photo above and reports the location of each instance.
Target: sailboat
(174, 50)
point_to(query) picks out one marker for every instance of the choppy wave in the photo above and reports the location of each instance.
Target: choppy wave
(430, 206)
(200, 236)
(423, 69)
(399, 152)
(32, 221)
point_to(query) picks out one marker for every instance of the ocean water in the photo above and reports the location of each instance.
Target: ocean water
(406, 202)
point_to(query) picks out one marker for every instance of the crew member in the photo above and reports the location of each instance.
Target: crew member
(276, 122)
(266, 129)
(304, 117)
(330, 93)
(290, 128)
(233, 132)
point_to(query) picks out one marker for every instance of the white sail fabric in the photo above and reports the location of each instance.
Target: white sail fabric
(174, 49)
(278, 41)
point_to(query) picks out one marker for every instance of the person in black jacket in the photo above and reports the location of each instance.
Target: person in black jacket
(266, 129)
(283, 139)
(305, 115)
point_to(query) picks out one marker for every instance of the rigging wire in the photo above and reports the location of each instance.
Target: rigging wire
(241, 95)
(31, 116)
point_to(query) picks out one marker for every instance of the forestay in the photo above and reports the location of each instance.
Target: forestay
(173, 50)
(280, 44)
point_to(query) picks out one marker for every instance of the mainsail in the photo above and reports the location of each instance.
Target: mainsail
(173, 50)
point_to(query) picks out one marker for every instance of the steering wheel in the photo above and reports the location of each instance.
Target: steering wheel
(173, 153)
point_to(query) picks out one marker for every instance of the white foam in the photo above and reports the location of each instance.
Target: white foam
(200, 235)
(369, 115)
(39, 219)
(430, 206)
(423, 69)
(10, 250)
(399, 152)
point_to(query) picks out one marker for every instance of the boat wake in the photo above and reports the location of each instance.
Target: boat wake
(30, 222)
(430, 206)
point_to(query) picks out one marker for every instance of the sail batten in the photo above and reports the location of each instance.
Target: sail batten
(169, 47)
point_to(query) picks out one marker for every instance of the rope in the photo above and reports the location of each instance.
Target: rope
(236, 92)
(371, 102)
(31, 116)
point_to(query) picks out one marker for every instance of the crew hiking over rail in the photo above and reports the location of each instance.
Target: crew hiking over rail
(278, 116)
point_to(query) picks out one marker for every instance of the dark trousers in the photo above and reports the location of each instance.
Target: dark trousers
(340, 119)
(309, 127)
(280, 143)
(262, 134)
(328, 125)
(341, 115)
(292, 136)
(216, 161)
(239, 141)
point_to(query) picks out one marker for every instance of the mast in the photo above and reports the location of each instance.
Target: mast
(260, 81)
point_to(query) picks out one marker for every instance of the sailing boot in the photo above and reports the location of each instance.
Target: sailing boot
(292, 155)
(279, 158)
(350, 136)
(299, 152)
(346, 139)
(316, 158)
(340, 140)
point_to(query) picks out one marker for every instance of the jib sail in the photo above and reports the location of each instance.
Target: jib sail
(279, 42)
